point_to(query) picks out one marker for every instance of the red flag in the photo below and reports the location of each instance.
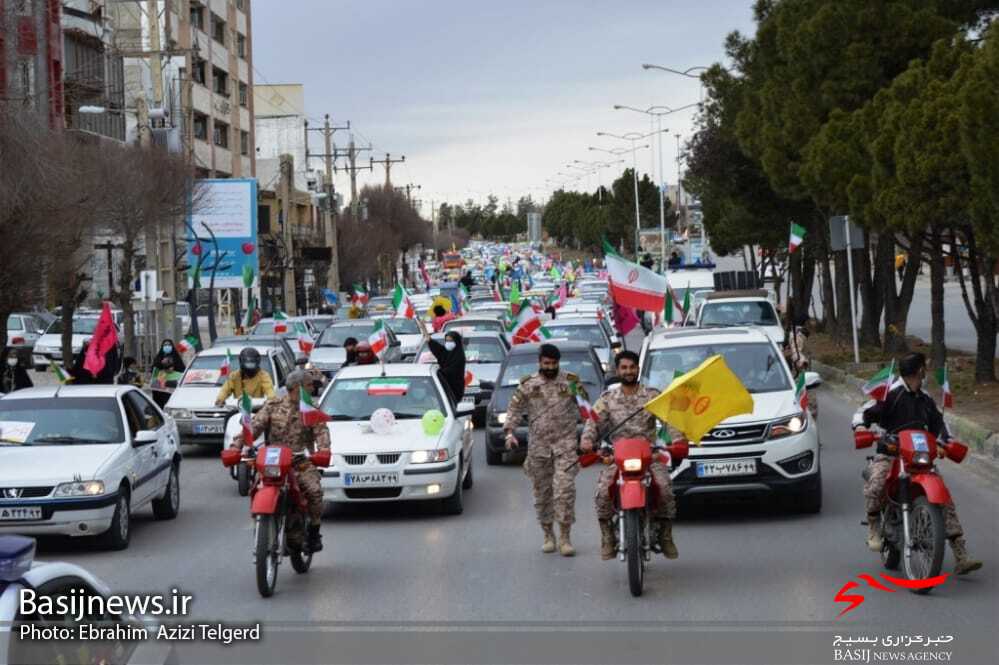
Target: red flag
(626, 319)
(104, 340)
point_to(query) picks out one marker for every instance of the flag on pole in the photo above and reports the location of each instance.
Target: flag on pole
(797, 235)
(527, 327)
(800, 392)
(633, 285)
(668, 308)
(306, 343)
(246, 419)
(311, 416)
(878, 385)
(104, 340)
(188, 344)
(378, 339)
(403, 305)
(943, 379)
(59, 373)
(686, 303)
(226, 364)
(586, 411)
(515, 299)
(359, 295)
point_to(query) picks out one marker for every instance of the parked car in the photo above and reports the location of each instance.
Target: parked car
(79, 460)
(48, 348)
(577, 357)
(484, 355)
(329, 354)
(741, 308)
(772, 451)
(404, 463)
(23, 330)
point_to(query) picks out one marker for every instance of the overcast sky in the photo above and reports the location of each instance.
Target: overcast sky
(492, 96)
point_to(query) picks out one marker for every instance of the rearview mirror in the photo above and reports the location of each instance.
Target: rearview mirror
(813, 379)
(144, 437)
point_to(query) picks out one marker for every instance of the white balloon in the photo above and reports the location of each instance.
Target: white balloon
(382, 421)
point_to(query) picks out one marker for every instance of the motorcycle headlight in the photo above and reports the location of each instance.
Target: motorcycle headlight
(80, 488)
(182, 414)
(633, 464)
(272, 470)
(788, 426)
(921, 458)
(428, 456)
(501, 418)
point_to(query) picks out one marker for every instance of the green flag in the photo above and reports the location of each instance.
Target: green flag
(668, 309)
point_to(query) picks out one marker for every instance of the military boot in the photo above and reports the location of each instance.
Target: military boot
(666, 543)
(549, 545)
(608, 547)
(314, 542)
(874, 541)
(565, 547)
(964, 563)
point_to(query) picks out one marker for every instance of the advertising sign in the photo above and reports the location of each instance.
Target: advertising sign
(227, 208)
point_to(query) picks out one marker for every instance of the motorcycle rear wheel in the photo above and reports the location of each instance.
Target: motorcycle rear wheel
(301, 561)
(927, 540)
(267, 555)
(633, 551)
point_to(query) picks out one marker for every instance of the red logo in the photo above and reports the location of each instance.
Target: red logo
(855, 600)
(633, 276)
(702, 404)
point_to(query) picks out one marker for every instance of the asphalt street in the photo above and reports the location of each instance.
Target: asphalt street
(404, 563)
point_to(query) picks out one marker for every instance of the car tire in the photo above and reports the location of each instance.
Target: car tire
(478, 421)
(120, 532)
(454, 504)
(810, 501)
(167, 507)
(493, 457)
(469, 480)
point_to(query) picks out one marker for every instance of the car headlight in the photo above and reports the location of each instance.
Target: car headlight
(501, 418)
(788, 426)
(428, 456)
(633, 464)
(183, 414)
(80, 488)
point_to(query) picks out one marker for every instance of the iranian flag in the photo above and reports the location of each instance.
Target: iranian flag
(189, 343)
(306, 343)
(60, 375)
(633, 285)
(388, 386)
(668, 308)
(360, 294)
(879, 384)
(403, 305)
(797, 235)
(585, 410)
(311, 416)
(800, 392)
(528, 328)
(943, 379)
(378, 339)
(686, 303)
(226, 364)
(246, 419)
(280, 322)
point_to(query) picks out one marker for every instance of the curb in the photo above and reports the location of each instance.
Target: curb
(983, 443)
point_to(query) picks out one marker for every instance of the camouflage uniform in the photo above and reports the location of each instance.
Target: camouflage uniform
(612, 408)
(551, 464)
(874, 494)
(281, 420)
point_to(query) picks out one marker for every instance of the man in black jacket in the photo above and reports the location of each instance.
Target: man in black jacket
(907, 406)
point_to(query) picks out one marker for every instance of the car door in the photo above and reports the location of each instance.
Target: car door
(458, 435)
(167, 441)
(145, 456)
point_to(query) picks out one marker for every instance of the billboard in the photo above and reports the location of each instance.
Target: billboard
(227, 208)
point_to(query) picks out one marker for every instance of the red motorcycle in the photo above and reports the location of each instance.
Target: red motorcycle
(635, 499)
(276, 503)
(912, 521)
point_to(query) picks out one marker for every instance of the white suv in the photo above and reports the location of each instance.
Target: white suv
(741, 308)
(773, 450)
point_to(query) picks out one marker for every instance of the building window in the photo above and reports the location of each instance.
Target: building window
(198, 17)
(198, 71)
(243, 94)
(241, 45)
(239, 5)
(220, 135)
(218, 29)
(201, 126)
(263, 219)
(244, 143)
(220, 82)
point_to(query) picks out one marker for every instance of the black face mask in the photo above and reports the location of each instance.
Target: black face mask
(250, 372)
(549, 373)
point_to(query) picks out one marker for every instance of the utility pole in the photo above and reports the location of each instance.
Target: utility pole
(285, 187)
(352, 169)
(387, 162)
(329, 224)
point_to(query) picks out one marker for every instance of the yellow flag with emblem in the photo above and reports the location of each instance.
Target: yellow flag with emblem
(700, 399)
(443, 301)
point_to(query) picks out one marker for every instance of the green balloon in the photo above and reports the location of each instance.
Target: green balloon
(433, 422)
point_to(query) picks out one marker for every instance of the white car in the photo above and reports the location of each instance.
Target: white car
(405, 463)
(741, 308)
(589, 330)
(408, 332)
(329, 354)
(23, 330)
(79, 460)
(49, 345)
(19, 571)
(773, 450)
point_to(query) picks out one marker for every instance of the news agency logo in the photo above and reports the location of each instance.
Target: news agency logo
(855, 600)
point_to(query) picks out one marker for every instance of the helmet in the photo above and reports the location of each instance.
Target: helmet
(249, 361)
(364, 354)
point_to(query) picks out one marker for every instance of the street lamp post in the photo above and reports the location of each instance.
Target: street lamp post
(633, 136)
(686, 72)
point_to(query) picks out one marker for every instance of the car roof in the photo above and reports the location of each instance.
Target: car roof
(750, 294)
(389, 370)
(221, 350)
(563, 346)
(270, 319)
(573, 321)
(61, 391)
(696, 336)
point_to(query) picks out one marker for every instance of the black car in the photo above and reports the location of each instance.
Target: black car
(577, 357)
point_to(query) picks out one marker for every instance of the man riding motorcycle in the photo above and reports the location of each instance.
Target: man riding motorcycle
(248, 378)
(906, 406)
(282, 422)
(611, 409)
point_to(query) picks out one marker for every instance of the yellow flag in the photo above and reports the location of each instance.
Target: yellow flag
(443, 301)
(700, 399)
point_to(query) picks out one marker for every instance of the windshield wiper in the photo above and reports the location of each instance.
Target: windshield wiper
(68, 439)
(343, 417)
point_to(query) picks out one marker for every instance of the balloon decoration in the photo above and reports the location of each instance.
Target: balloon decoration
(382, 421)
(433, 422)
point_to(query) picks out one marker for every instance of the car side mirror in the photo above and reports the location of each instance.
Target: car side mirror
(487, 385)
(464, 409)
(813, 379)
(144, 437)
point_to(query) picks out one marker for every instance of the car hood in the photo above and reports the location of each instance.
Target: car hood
(408, 434)
(331, 355)
(194, 397)
(56, 340)
(24, 466)
(768, 406)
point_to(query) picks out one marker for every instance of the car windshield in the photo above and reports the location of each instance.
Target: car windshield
(267, 328)
(403, 326)
(207, 370)
(460, 325)
(61, 421)
(321, 324)
(591, 334)
(14, 323)
(406, 397)
(80, 327)
(757, 365)
(484, 351)
(335, 335)
(738, 314)
(526, 364)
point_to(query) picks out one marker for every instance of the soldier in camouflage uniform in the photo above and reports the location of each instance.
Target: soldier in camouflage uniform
(907, 406)
(548, 400)
(613, 408)
(281, 420)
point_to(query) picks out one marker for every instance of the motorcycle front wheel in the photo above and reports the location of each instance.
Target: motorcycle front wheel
(633, 551)
(926, 542)
(300, 559)
(267, 555)
(243, 479)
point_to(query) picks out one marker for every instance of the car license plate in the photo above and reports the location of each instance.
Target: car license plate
(370, 479)
(18, 513)
(210, 428)
(721, 468)
(468, 399)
